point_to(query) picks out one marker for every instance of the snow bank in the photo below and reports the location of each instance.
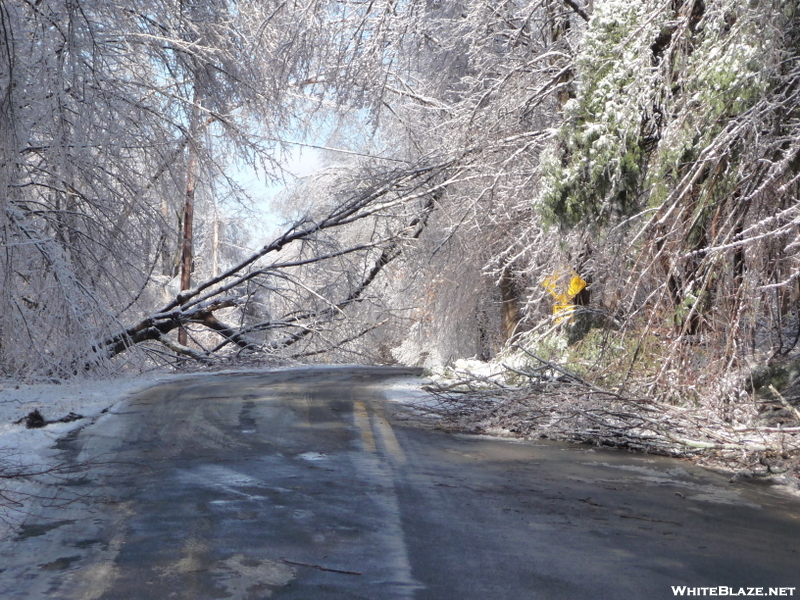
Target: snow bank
(407, 390)
(24, 450)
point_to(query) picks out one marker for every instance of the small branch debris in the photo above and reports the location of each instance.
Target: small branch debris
(567, 409)
(35, 419)
(320, 567)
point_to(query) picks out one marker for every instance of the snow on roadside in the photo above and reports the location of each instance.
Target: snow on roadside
(24, 450)
(54, 401)
(407, 390)
(476, 372)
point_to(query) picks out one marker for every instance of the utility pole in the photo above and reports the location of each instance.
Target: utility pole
(187, 240)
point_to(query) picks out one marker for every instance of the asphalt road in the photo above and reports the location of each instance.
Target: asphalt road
(306, 484)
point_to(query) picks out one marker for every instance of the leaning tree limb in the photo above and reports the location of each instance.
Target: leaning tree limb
(199, 304)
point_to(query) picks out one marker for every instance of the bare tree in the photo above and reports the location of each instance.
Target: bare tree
(117, 117)
(400, 201)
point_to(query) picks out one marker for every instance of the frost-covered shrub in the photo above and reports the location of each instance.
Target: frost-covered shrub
(686, 115)
(716, 71)
(596, 169)
(656, 83)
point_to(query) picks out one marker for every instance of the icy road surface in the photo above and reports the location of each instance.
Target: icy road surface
(307, 484)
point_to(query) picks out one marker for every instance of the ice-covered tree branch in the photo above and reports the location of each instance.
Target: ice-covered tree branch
(199, 305)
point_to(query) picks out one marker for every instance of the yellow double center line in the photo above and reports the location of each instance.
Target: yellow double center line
(369, 424)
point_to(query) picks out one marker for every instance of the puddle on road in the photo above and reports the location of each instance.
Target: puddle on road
(60, 564)
(717, 495)
(677, 477)
(37, 529)
(81, 544)
(656, 473)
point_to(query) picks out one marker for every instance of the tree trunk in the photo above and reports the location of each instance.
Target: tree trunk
(187, 246)
(509, 303)
(215, 243)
